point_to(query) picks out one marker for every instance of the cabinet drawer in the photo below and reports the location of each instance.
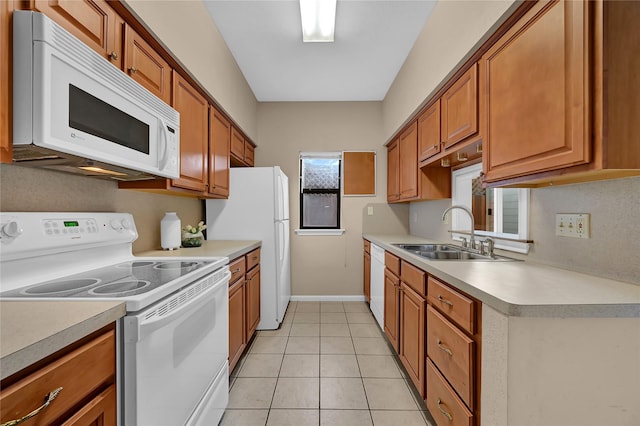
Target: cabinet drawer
(452, 351)
(366, 246)
(456, 306)
(392, 263)
(95, 360)
(443, 403)
(253, 258)
(413, 277)
(237, 269)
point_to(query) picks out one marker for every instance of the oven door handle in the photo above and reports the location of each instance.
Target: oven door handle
(144, 326)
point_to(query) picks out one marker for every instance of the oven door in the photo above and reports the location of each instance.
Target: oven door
(173, 351)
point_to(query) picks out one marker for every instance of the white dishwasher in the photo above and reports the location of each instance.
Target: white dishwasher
(377, 284)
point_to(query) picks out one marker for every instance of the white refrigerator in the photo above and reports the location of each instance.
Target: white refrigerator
(258, 209)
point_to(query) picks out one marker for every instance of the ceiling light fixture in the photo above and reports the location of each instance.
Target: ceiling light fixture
(318, 20)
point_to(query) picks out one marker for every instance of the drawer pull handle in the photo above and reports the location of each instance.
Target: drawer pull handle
(444, 348)
(235, 271)
(50, 397)
(445, 301)
(443, 411)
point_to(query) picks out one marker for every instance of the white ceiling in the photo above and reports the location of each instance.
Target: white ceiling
(372, 41)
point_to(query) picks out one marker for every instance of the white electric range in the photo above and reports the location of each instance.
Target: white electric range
(173, 341)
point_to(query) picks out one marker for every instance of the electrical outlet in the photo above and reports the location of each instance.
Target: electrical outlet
(575, 225)
(370, 210)
(414, 217)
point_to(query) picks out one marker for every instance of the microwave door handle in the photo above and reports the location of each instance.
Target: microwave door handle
(162, 162)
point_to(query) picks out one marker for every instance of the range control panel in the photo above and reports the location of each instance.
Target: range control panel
(21, 234)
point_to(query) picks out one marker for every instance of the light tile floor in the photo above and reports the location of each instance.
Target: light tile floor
(328, 364)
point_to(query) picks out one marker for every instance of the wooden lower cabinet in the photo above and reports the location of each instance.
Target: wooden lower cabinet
(412, 335)
(252, 297)
(244, 303)
(392, 308)
(87, 375)
(237, 340)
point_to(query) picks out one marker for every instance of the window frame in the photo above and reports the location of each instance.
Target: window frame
(311, 230)
(460, 222)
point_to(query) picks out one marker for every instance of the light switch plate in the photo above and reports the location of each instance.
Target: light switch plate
(575, 225)
(370, 210)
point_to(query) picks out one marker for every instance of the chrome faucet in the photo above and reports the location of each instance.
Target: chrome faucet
(472, 241)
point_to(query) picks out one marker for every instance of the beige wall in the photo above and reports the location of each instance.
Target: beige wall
(26, 189)
(323, 265)
(451, 33)
(187, 30)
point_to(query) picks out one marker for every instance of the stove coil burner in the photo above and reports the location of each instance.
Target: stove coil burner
(121, 288)
(177, 265)
(61, 288)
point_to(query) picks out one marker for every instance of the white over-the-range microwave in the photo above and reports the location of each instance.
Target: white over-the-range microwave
(74, 111)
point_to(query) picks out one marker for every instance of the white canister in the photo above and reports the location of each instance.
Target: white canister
(170, 231)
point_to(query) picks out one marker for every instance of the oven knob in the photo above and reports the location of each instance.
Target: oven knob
(116, 224)
(12, 229)
(126, 223)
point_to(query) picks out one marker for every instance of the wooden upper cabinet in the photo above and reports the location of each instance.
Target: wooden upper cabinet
(194, 135)
(242, 150)
(460, 108)
(219, 142)
(146, 66)
(94, 22)
(237, 144)
(535, 83)
(429, 132)
(6, 69)
(393, 168)
(408, 145)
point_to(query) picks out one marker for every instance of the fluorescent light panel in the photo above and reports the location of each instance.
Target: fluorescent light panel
(318, 20)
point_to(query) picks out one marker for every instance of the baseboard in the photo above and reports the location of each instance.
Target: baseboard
(343, 298)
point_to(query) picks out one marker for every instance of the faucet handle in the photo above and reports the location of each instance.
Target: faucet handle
(490, 245)
(464, 241)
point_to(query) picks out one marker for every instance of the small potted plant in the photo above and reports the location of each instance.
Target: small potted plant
(192, 235)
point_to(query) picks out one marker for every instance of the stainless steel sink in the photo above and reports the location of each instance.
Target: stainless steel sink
(448, 252)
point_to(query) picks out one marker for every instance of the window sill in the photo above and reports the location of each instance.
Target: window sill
(320, 231)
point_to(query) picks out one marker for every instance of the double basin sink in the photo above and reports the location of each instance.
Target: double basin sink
(448, 252)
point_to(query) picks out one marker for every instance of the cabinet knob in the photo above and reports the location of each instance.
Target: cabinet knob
(113, 56)
(133, 70)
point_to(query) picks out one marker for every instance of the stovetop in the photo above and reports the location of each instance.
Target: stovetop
(91, 260)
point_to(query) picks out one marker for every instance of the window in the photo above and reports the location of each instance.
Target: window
(320, 190)
(497, 212)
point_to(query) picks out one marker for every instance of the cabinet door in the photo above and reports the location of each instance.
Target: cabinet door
(391, 307)
(249, 154)
(412, 336)
(393, 168)
(237, 340)
(6, 70)
(94, 22)
(535, 81)
(367, 277)
(146, 66)
(253, 301)
(219, 142)
(194, 135)
(460, 108)
(429, 132)
(408, 144)
(237, 144)
(99, 411)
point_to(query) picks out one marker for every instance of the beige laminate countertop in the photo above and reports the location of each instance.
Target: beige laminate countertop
(31, 331)
(225, 248)
(525, 288)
